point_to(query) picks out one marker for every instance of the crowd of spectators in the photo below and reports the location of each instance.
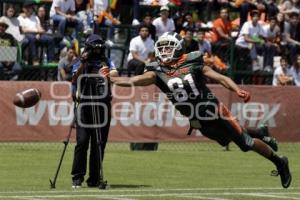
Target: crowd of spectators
(264, 31)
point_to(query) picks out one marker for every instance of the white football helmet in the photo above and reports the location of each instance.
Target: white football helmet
(169, 47)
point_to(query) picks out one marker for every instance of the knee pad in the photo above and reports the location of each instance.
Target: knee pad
(246, 143)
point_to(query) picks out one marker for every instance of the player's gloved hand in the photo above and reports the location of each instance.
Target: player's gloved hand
(104, 71)
(244, 95)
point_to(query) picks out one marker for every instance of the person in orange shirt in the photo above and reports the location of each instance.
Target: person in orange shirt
(222, 28)
(221, 36)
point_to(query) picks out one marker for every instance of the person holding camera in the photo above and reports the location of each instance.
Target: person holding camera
(92, 96)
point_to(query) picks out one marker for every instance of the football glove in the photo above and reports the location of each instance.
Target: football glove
(244, 95)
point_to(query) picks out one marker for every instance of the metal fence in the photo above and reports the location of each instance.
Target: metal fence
(237, 59)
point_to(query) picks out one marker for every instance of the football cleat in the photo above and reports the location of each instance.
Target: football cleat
(284, 172)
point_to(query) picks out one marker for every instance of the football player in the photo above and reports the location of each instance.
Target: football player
(182, 78)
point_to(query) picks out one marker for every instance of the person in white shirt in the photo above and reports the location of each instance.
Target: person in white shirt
(283, 74)
(99, 6)
(62, 12)
(13, 23)
(14, 26)
(163, 23)
(252, 37)
(141, 51)
(296, 71)
(103, 17)
(31, 27)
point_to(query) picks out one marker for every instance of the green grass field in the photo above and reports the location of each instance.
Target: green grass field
(175, 171)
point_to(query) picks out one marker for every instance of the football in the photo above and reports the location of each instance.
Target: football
(27, 98)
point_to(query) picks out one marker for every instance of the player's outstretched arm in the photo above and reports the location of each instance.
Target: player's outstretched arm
(226, 82)
(145, 79)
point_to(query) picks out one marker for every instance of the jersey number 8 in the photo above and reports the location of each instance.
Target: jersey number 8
(179, 92)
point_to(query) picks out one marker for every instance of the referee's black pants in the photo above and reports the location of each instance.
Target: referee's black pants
(84, 136)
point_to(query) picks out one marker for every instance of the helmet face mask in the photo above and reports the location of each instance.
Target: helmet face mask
(168, 48)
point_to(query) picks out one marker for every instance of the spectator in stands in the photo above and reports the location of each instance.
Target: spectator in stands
(222, 29)
(188, 22)
(136, 12)
(14, 26)
(282, 75)
(178, 20)
(84, 14)
(190, 44)
(290, 6)
(271, 46)
(47, 25)
(221, 35)
(98, 6)
(65, 65)
(141, 51)
(282, 23)
(63, 13)
(31, 27)
(292, 32)
(164, 23)
(248, 6)
(103, 16)
(271, 9)
(44, 19)
(7, 67)
(296, 71)
(147, 20)
(204, 45)
(251, 37)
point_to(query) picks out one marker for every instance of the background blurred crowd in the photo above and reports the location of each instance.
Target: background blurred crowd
(262, 35)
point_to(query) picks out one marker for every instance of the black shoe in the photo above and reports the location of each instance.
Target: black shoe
(76, 184)
(284, 172)
(92, 183)
(272, 142)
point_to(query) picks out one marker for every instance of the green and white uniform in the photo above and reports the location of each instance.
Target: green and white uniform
(185, 85)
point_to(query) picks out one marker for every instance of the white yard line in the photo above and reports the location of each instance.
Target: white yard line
(273, 196)
(115, 198)
(201, 197)
(192, 193)
(130, 196)
(145, 190)
(28, 198)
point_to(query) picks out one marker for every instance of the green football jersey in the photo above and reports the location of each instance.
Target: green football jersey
(185, 84)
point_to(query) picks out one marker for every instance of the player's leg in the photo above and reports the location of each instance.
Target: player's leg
(246, 143)
(263, 133)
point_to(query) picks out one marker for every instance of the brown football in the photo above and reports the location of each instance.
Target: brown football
(27, 98)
